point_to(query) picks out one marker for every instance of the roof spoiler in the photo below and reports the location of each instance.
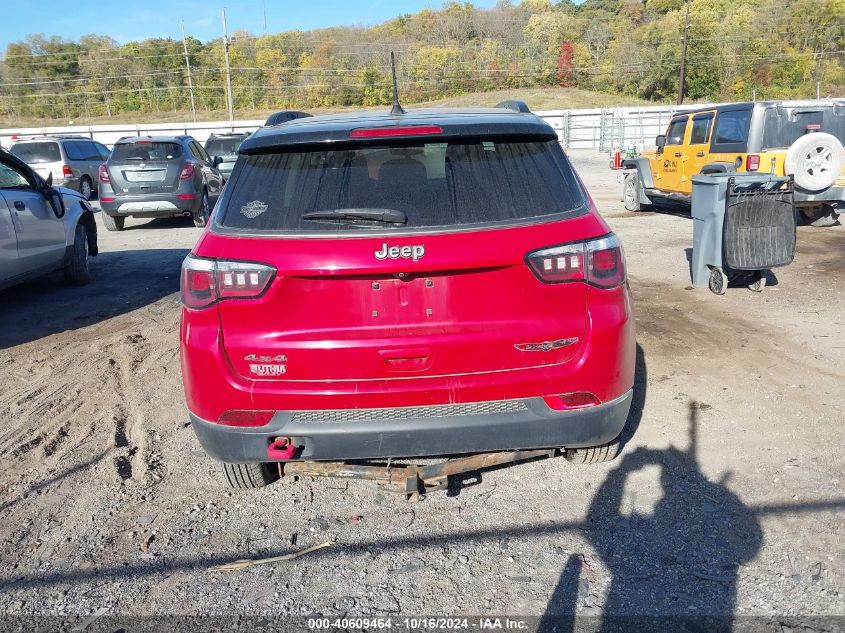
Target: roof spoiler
(283, 116)
(515, 105)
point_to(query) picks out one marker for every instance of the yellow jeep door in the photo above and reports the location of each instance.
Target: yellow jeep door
(696, 151)
(670, 160)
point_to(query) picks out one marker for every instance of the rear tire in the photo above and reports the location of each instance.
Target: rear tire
(823, 218)
(593, 454)
(86, 188)
(113, 223)
(631, 192)
(203, 213)
(248, 476)
(77, 271)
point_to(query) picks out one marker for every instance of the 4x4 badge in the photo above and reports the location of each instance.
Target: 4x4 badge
(546, 346)
(413, 252)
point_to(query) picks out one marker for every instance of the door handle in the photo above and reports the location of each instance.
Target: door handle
(678, 154)
(699, 154)
(19, 205)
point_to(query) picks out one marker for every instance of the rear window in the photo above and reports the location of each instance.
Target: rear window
(37, 152)
(783, 126)
(223, 146)
(146, 151)
(432, 184)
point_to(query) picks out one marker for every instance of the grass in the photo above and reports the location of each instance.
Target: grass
(536, 98)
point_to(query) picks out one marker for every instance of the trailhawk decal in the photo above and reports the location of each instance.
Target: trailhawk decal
(546, 346)
(395, 252)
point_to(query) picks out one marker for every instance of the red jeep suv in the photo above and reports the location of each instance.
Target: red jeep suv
(378, 285)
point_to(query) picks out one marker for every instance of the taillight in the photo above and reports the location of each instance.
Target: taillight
(67, 171)
(752, 162)
(103, 174)
(206, 281)
(239, 417)
(573, 400)
(599, 262)
(187, 171)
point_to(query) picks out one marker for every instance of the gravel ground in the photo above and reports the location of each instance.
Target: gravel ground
(727, 500)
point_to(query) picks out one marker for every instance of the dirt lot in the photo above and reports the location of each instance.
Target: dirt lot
(727, 501)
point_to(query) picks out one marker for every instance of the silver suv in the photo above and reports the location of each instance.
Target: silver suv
(42, 228)
(73, 161)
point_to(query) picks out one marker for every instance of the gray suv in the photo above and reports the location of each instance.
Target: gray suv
(72, 161)
(158, 177)
(223, 148)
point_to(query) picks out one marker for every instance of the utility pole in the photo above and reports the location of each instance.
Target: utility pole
(228, 74)
(190, 81)
(684, 57)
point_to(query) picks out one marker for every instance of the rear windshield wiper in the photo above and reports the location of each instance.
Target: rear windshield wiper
(388, 216)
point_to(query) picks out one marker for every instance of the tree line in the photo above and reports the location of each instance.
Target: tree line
(737, 49)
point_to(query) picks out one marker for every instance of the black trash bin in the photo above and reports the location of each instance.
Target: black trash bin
(743, 224)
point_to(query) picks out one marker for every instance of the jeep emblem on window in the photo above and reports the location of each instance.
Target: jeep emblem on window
(395, 252)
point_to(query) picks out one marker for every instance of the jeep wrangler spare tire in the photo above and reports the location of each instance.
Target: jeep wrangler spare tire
(815, 160)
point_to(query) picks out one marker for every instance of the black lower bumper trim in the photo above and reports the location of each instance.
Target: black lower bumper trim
(536, 426)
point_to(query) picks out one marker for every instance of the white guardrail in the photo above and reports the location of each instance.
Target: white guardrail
(593, 128)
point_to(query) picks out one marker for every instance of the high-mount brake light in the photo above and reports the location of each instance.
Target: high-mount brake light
(408, 130)
(207, 281)
(187, 171)
(103, 174)
(599, 262)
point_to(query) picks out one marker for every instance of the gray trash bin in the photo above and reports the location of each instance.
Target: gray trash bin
(743, 223)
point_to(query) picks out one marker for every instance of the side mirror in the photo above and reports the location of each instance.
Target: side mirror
(50, 179)
(217, 161)
(660, 141)
(56, 200)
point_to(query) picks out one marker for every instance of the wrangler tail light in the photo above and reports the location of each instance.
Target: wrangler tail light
(187, 171)
(599, 262)
(240, 417)
(752, 162)
(207, 281)
(67, 171)
(103, 174)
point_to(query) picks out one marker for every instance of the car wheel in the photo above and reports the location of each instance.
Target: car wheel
(86, 188)
(757, 282)
(246, 476)
(815, 160)
(718, 282)
(202, 214)
(113, 223)
(631, 192)
(819, 218)
(77, 271)
(593, 454)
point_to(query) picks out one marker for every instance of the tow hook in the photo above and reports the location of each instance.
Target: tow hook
(281, 449)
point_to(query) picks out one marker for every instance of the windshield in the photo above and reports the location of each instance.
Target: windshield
(430, 184)
(38, 152)
(225, 146)
(145, 150)
(783, 126)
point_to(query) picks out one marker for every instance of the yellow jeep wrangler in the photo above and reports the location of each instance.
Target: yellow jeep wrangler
(799, 138)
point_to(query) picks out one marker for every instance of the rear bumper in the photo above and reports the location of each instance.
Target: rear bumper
(529, 423)
(834, 196)
(158, 205)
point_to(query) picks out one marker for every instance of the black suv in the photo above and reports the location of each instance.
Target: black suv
(158, 177)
